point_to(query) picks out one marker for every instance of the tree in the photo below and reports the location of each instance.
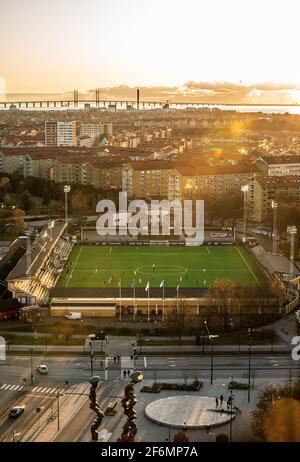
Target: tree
(279, 291)
(178, 319)
(26, 202)
(4, 186)
(222, 295)
(19, 220)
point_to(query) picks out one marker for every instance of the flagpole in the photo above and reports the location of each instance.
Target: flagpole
(163, 313)
(177, 296)
(149, 303)
(120, 299)
(134, 300)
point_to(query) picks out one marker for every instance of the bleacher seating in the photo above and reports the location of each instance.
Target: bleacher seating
(45, 278)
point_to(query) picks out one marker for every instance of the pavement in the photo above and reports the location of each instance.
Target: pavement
(78, 428)
(269, 368)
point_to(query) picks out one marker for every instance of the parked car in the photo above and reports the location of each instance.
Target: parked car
(16, 411)
(42, 368)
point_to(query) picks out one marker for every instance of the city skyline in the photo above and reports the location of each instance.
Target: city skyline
(168, 51)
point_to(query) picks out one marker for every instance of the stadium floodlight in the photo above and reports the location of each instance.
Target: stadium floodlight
(245, 189)
(274, 206)
(67, 189)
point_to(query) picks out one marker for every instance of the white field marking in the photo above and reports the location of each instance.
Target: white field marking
(238, 250)
(204, 282)
(79, 253)
(208, 251)
(187, 270)
(3, 386)
(96, 270)
(110, 250)
(145, 361)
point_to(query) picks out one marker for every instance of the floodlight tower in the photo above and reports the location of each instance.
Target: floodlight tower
(292, 231)
(67, 189)
(245, 189)
(274, 205)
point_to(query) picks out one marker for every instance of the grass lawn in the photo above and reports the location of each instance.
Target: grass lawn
(105, 266)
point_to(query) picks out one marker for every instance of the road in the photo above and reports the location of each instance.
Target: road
(76, 370)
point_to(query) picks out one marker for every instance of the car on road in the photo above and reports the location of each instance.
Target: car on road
(42, 368)
(16, 411)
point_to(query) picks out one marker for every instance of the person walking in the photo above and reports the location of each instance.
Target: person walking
(217, 402)
(229, 402)
(124, 374)
(128, 372)
(221, 400)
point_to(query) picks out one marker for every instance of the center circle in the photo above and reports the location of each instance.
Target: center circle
(190, 412)
(162, 270)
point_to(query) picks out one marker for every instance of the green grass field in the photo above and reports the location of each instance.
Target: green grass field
(104, 266)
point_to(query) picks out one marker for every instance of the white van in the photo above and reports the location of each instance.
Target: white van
(73, 315)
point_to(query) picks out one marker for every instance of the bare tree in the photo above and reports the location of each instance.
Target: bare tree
(177, 320)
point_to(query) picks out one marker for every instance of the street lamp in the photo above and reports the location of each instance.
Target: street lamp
(292, 231)
(245, 189)
(231, 400)
(203, 350)
(67, 189)
(212, 353)
(31, 367)
(274, 206)
(92, 358)
(250, 339)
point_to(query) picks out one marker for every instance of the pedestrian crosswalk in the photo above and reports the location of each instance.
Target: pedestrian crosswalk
(45, 390)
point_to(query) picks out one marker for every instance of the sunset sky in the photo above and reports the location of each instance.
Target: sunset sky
(227, 50)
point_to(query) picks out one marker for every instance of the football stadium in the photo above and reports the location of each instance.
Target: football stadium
(109, 279)
(136, 266)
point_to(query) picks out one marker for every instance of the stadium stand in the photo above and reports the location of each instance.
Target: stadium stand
(38, 270)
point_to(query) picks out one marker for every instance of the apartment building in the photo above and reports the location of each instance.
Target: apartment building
(160, 179)
(265, 189)
(279, 165)
(155, 180)
(60, 133)
(217, 179)
(106, 175)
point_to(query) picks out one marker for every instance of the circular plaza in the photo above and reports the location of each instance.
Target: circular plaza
(189, 412)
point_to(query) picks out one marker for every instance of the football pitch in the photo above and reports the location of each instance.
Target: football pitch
(106, 266)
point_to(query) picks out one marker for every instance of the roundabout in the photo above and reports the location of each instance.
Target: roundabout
(189, 412)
